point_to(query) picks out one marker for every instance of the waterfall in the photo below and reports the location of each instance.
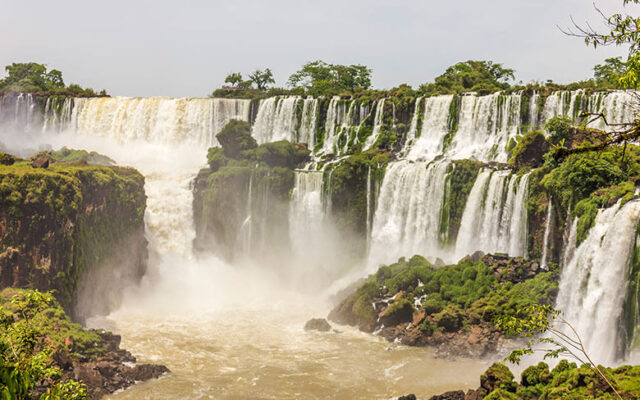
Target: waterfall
(561, 103)
(593, 285)
(495, 216)
(309, 123)
(533, 110)
(166, 139)
(369, 203)
(618, 106)
(343, 122)
(57, 113)
(413, 128)
(435, 125)
(547, 235)
(485, 127)
(407, 216)
(377, 126)
(157, 120)
(307, 212)
(276, 119)
(20, 112)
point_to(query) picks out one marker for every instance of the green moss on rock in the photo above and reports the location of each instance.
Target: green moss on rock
(60, 222)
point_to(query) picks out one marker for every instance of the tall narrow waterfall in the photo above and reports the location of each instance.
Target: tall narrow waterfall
(495, 216)
(413, 131)
(547, 234)
(377, 125)
(157, 120)
(307, 213)
(593, 285)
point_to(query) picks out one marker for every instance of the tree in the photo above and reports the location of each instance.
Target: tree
(537, 320)
(262, 79)
(33, 77)
(321, 78)
(236, 137)
(483, 77)
(234, 79)
(608, 74)
(623, 30)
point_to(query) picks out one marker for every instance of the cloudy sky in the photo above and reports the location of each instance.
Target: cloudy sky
(186, 48)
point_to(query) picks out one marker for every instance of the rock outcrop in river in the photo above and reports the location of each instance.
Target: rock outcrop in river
(451, 307)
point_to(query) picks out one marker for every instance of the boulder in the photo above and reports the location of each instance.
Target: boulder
(408, 397)
(7, 159)
(453, 395)
(40, 162)
(317, 324)
(497, 376)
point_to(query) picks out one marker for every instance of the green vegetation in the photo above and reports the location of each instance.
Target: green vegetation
(460, 181)
(34, 78)
(588, 181)
(66, 155)
(64, 219)
(348, 188)
(529, 150)
(318, 78)
(453, 297)
(483, 77)
(239, 148)
(565, 381)
(34, 332)
(236, 137)
(245, 182)
(560, 130)
(608, 75)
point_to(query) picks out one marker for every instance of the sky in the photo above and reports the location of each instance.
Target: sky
(186, 48)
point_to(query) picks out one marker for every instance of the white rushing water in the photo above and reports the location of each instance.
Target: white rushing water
(276, 119)
(435, 125)
(547, 235)
(485, 126)
(377, 126)
(157, 120)
(407, 217)
(495, 217)
(593, 285)
(307, 216)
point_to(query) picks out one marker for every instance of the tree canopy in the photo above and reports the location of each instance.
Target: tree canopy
(34, 78)
(262, 79)
(624, 29)
(483, 77)
(608, 74)
(321, 78)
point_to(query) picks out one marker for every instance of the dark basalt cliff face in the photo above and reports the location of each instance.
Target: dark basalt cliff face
(64, 227)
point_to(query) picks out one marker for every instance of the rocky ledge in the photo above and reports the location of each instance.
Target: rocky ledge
(105, 374)
(51, 354)
(450, 308)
